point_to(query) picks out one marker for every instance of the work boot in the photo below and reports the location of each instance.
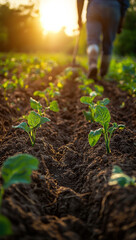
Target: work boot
(92, 51)
(105, 62)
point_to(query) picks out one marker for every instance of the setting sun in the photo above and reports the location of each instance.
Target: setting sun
(57, 14)
(54, 14)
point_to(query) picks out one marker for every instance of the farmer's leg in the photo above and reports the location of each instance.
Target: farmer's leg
(93, 39)
(110, 26)
(94, 29)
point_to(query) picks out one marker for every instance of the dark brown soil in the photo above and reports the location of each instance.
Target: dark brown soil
(69, 197)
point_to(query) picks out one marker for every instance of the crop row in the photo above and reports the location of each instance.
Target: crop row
(18, 168)
(99, 113)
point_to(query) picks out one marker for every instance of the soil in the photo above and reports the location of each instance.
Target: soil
(69, 197)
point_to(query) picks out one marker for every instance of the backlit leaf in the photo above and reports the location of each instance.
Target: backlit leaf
(120, 178)
(88, 116)
(39, 93)
(104, 102)
(5, 226)
(94, 136)
(42, 121)
(86, 100)
(23, 126)
(18, 169)
(102, 115)
(54, 106)
(35, 104)
(116, 169)
(99, 88)
(33, 119)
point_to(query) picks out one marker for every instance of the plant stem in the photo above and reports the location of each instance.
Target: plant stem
(107, 142)
(31, 139)
(1, 195)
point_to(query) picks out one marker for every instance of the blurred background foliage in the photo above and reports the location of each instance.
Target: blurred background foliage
(125, 43)
(21, 31)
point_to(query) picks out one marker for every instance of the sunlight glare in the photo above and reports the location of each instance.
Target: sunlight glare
(57, 14)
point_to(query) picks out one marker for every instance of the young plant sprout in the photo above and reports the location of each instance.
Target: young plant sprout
(53, 106)
(35, 105)
(85, 85)
(34, 122)
(102, 116)
(16, 169)
(89, 115)
(120, 178)
(6, 86)
(67, 74)
(125, 74)
(48, 94)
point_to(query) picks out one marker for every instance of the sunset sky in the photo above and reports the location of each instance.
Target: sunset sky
(54, 13)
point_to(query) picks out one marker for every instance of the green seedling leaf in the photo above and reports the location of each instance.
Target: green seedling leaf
(88, 81)
(120, 178)
(94, 136)
(35, 104)
(39, 93)
(99, 88)
(23, 126)
(115, 126)
(34, 119)
(5, 226)
(121, 126)
(54, 106)
(86, 100)
(18, 169)
(117, 169)
(106, 126)
(102, 115)
(42, 121)
(103, 102)
(85, 88)
(88, 116)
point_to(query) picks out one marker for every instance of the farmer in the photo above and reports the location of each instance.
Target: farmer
(104, 17)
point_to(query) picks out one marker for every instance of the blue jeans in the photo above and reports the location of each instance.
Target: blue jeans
(103, 19)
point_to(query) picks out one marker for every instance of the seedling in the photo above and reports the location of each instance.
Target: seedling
(102, 116)
(53, 106)
(34, 122)
(18, 81)
(36, 106)
(89, 115)
(16, 169)
(48, 94)
(120, 178)
(68, 73)
(6, 86)
(125, 74)
(85, 86)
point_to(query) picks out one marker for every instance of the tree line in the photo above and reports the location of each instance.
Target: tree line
(21, 31)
